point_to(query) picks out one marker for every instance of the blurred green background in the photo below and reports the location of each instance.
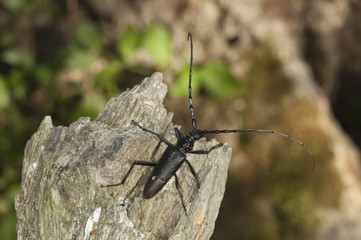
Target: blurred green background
(68, 69)
(53, 78)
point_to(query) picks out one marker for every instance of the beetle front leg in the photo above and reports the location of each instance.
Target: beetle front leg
(158, 135)
(206, 151)
(178, 134)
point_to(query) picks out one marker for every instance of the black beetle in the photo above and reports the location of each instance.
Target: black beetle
(175, 154)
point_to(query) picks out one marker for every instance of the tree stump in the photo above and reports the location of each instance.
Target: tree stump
(64, 169)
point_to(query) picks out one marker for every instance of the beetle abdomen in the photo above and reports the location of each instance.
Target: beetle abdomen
(153, 186)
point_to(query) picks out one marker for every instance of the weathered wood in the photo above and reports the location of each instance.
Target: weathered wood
(64, 168)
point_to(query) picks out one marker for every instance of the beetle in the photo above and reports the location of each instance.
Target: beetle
(175, 154)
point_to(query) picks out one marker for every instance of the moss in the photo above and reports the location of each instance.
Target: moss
(281, 175)
(265, 76)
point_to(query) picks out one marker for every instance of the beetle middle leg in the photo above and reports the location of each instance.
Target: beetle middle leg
(141, 163)
(193, 172)
(200, 152)
(206, 151)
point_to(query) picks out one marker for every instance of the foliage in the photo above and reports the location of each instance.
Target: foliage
(156, 40)
(214, 77)
(127, 42)
(71, 75)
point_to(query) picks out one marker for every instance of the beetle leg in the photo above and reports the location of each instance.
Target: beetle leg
(206, 151)
(178, 134)
(180, 194)
(193, 173)
(158, 135)
(142, 163)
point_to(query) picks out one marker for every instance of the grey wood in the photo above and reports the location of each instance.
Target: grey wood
(64, 167)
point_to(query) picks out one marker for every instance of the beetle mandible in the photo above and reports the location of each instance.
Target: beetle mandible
(175, 154)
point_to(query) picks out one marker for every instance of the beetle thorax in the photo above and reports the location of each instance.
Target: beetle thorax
(186, 143)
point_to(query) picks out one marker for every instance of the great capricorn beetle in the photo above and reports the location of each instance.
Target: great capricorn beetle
(175, 154)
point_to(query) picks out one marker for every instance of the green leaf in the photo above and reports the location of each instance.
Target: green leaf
(16, 6)
(140, 70)
(91, 105)
(218, 80)
(22, 7)
(16, 81)
(87, 34)
(215, 78)
(44, 75)
(127, 42)
(80, 59)
(7, 225)
(18, 57)
(180, 87)
(6, 39)
(157, 41)
(11, 192)
(4, 95)
(107, 77)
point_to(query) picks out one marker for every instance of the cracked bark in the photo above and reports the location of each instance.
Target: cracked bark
(64, 167)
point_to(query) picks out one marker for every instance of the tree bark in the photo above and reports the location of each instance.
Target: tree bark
(64, 169)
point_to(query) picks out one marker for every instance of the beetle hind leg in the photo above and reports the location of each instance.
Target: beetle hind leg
(180, 193)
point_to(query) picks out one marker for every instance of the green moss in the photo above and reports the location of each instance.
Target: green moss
(265, 76)
(282, 168)
(283, 175)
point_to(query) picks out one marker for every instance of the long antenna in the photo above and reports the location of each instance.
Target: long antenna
(194, 124)
(265, 131)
